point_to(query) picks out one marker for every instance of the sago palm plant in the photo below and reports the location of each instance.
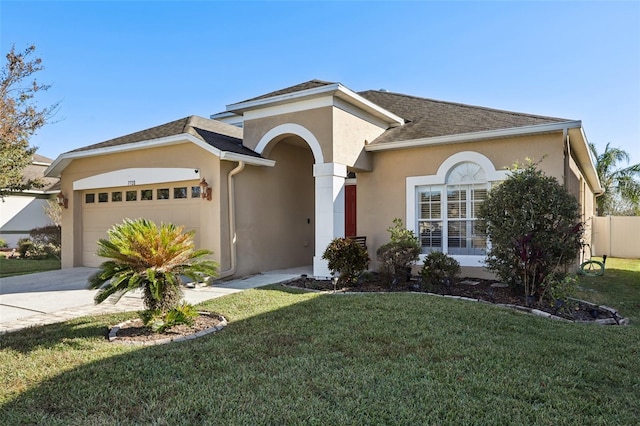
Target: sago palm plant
(149, 257)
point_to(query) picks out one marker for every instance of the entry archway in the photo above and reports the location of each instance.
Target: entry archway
(329, 190)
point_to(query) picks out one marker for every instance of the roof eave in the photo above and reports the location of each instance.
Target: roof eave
(583, 154)
(475, 136)
(63, 160)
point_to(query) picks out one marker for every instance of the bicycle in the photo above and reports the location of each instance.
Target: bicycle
(592, 267)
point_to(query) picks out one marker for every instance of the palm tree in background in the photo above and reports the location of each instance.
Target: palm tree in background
(622, 186)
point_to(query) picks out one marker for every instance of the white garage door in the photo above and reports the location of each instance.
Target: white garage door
(177, 203)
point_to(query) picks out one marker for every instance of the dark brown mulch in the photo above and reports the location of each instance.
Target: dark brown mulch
(490, 291)
(135, 330)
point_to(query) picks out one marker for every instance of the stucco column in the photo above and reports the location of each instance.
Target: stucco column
(330, 178)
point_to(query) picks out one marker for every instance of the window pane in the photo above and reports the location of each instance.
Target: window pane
(103, 197)
(430, 234)
(132, 195)
(195, 192)
(163, 194)
(180, 192)
(146, 194)
(116, 196)
(429, 203)
(90, 198)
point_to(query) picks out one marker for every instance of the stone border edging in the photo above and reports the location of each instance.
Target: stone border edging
(614, 320)
(113, 334)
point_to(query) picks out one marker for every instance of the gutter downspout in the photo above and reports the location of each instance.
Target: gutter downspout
(232, 222)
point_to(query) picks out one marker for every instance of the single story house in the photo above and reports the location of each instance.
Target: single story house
(268, 183)
(22, 211)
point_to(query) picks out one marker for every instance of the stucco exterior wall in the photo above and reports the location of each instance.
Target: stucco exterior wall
(350, 133)
(275, 212)
(319, 121)
(21, 213)
(381, 193)
(182, 155)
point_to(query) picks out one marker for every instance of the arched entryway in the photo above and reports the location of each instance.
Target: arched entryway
(328, 188)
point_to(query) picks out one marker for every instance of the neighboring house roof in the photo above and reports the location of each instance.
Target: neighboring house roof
(426, 118)
(35, 170)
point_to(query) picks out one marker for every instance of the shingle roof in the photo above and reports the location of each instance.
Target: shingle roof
(168, 129)
(311, 84)
(36, 172)
(224, 137)
(430, 118)
(225, 143)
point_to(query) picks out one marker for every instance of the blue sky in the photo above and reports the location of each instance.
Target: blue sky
(119, 67)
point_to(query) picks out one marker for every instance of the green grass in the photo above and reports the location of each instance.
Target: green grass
(289, 357)
(11, 267)
(619, 287)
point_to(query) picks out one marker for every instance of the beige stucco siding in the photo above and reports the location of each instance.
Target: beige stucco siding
(350, 133)
(382, 194)
(185, 155)
(319, 121)
(275, 212)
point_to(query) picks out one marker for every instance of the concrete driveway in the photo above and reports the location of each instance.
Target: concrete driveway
(54, 296)
(44, 292)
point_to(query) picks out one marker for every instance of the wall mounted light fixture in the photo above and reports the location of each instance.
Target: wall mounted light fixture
(62, 200)
(205, 190)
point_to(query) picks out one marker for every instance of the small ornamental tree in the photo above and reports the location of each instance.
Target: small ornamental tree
(149, 257)
(534, 228)
(347, 258)
(397, 256)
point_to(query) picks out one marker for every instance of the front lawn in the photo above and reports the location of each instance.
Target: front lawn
(619, 287)
(10, 267)
(289, 357)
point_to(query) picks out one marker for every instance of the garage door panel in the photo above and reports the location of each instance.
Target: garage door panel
(98, 218)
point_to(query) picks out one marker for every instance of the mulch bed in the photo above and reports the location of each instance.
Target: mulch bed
(134, 331)
(489, 291)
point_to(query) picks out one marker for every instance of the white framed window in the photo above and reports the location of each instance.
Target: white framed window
(443, 208)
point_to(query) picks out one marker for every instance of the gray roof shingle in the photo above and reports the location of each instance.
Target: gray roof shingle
(424, 118)
(224, 137)
(431, 118)
(311, 84)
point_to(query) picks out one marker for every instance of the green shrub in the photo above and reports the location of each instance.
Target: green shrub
(24, 246)
(559, 286)
(3, 243)
(534, 227)
(46, 242)
(159, 322)
(347, 258)
(396, 257)
(438, 266)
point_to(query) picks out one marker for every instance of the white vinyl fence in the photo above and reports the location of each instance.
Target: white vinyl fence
(616, 236)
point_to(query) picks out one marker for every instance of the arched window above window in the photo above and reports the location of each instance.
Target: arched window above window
(467, 172)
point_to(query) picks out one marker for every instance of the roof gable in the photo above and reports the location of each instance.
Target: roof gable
(311, 84)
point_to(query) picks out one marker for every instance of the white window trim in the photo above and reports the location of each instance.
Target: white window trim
(440, 178)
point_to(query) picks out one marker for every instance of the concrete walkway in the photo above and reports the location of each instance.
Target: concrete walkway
(57, 296)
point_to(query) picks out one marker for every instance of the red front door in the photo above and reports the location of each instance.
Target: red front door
(350, 228)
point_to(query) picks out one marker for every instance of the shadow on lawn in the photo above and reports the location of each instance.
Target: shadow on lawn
(328, 357)
(72, 334)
